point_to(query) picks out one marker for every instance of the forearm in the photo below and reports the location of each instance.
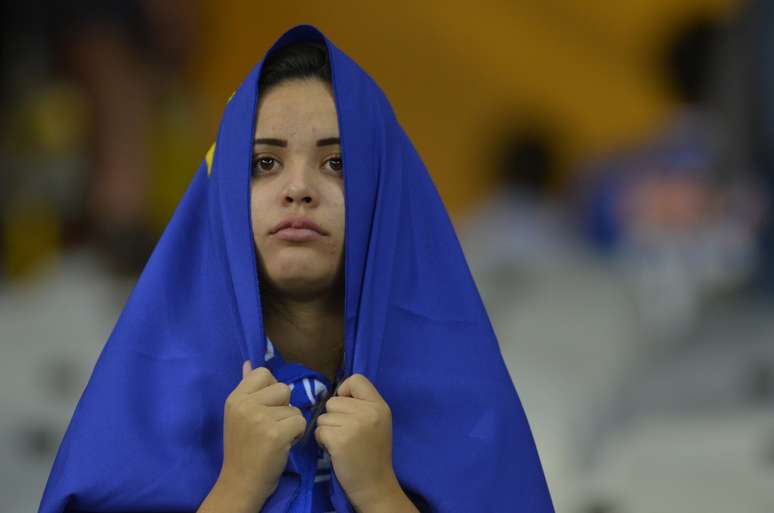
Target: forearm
(228, 495)
(395, 505)
(389, 499)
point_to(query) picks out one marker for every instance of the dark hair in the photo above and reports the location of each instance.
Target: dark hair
(690, 56)
(304, 60)
(527, 160)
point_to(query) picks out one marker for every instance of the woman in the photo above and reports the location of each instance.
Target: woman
(374, 299)
(297, 183)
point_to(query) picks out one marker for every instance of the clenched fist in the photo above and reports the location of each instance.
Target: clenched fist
(357, 432)
(259, 429)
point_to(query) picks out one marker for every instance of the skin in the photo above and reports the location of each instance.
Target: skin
(301, 282)
(301, 293)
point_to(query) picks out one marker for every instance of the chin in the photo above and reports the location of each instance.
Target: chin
(298, 275)
(301, 282)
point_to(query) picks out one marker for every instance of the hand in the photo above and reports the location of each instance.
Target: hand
(357, 432)
(259, 428)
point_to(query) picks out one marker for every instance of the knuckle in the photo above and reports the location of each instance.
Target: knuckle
(318, 436)
(258, 417)
(272, 434)
(232, 403)
(372, 418)
(263, 372)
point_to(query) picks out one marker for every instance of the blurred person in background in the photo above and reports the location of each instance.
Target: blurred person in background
(692, 426)
(638, 325)
(97, 90)
(128, 59)
(567, 331)
(522, 223)
(95, 112)
(675, 212)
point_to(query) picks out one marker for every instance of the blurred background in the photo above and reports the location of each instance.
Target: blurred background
(609, 167)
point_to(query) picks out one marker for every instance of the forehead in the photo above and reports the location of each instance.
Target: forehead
(297, 106)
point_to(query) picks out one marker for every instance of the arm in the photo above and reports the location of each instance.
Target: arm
(231, 496)
(391, 499)
(259, 428)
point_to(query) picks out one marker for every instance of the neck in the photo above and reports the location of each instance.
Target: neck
(309, 332)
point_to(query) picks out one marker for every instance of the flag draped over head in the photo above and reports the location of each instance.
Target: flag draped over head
(147, 433)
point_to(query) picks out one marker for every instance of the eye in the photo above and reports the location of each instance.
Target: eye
(336, 163)
(263, 164)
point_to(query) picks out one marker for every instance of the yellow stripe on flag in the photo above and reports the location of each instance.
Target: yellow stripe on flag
(208, 158)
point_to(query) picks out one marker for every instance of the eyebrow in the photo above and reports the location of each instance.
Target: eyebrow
(282, 142)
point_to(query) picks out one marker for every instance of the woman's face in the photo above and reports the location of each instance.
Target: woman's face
(298, 173)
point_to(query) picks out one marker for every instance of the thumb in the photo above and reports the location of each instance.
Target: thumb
(358, 387)
(246, 368)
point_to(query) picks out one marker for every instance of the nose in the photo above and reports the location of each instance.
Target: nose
(299, 188)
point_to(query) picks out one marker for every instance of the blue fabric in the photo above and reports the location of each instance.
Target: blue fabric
(147, 432)
(307, 388)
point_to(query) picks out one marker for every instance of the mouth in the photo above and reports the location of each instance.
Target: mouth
(297, 234)
(297, 228)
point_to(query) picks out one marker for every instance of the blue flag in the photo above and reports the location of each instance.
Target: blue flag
(147, 433)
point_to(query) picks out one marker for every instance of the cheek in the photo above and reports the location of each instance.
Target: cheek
(336, 199)
(257, 220)
(338, 223)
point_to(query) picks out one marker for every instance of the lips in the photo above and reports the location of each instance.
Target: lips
(299, 226)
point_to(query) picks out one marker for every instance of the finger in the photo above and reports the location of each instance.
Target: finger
(246, 368)
(323, 436)
(337, 404)
(332, 419)
(293, 428)
(255, 380)
(282, 412)
(276, 394)
(359, 387)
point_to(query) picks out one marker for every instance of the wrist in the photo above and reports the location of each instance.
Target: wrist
(241, 495)
(384, 497)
